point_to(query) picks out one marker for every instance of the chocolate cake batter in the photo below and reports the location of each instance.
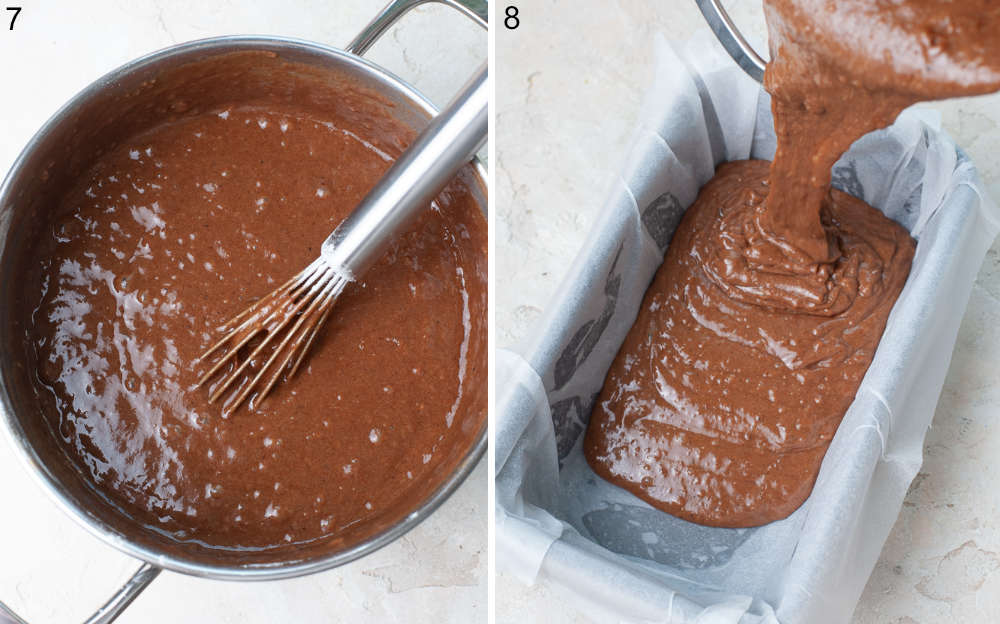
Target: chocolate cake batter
(179, 229)
(759, 326)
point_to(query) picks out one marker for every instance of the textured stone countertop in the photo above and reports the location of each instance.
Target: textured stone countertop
(569, 83)
(51, 570)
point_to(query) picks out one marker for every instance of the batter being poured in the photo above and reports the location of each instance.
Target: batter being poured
(755, 334)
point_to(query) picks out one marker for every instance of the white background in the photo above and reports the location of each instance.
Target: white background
(51, 570)
(569, 82)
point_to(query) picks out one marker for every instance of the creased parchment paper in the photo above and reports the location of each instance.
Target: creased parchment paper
(626, 561)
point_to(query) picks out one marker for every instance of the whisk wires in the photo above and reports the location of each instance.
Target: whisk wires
(286, 321)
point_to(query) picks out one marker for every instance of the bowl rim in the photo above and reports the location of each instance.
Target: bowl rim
(38, 470)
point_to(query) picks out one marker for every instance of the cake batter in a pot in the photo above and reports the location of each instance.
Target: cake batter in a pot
(163, 200)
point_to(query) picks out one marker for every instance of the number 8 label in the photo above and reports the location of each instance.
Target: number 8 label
(511, 21)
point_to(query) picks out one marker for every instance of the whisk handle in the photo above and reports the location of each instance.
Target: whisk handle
(417, 176)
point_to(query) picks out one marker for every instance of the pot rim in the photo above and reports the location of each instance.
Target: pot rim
(37, 469)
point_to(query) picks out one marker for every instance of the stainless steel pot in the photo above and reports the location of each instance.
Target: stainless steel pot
(62, 150)
(732, 39)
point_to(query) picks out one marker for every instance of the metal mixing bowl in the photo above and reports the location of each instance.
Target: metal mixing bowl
(113, 108)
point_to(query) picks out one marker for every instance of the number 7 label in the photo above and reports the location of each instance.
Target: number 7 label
(16, 11)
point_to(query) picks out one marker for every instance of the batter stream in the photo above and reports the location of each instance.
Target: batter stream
(758, 328)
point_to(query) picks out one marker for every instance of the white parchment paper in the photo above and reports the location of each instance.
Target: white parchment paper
(615, 553)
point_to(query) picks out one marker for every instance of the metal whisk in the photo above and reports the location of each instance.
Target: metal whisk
(288, 319)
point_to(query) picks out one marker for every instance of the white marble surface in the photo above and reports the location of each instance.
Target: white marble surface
(51, 570)
(569, 82)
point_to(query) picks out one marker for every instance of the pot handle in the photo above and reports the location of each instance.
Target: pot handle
(731, 39)
(113, 607)
(473, 9)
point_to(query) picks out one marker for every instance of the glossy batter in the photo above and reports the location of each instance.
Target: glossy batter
(172, 234)
(759, 326)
